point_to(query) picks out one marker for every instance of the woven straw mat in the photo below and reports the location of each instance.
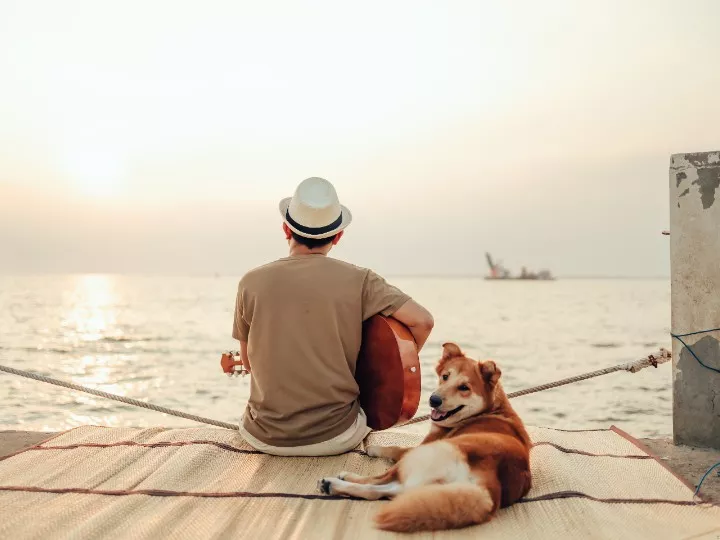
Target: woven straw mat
(104, 483)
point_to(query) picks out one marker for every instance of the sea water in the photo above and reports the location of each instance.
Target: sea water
(159, 339)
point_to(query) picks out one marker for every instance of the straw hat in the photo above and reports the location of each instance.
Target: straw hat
(314, 211)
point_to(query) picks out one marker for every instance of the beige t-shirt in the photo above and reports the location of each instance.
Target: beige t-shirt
(302, 319)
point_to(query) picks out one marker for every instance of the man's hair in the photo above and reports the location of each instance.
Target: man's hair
(312, 243)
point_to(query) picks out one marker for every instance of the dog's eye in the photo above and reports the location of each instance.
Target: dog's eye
(463, 388)
(445, 377)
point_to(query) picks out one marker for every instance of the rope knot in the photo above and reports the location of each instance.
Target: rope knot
(653, 361)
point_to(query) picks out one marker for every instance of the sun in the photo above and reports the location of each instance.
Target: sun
(94, 173)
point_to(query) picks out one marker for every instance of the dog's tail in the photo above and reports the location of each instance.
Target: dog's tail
(437, 506)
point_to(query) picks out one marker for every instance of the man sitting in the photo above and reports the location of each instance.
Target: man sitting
(299, 323)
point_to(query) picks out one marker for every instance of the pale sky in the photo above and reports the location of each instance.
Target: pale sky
(158, 136)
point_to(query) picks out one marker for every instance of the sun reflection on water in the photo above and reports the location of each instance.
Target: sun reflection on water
(92, 316)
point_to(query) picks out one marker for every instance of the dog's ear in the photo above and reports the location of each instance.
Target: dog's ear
(489, 372)
(450, 350)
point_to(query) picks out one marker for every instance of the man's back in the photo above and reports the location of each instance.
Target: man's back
(302, 319)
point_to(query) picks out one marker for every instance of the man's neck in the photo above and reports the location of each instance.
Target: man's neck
(299, 249)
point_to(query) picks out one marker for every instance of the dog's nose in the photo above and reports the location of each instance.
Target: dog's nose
(435, 401)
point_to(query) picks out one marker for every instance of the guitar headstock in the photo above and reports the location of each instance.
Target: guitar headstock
(230, 365)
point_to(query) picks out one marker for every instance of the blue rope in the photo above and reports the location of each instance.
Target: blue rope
(705, 476)
(680, 337)
(695, 333)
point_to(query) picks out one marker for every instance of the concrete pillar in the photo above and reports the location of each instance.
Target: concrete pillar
(695, 268)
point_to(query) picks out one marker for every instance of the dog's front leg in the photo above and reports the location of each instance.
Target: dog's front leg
(388, 452)
(385, 478)
(396, 452)
(371, 492)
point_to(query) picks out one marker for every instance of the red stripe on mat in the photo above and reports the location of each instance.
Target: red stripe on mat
(168, 493)
(248, 494)
(583, 453)
(162, 444)
(230, 448)
(580, 495)
(37, 446)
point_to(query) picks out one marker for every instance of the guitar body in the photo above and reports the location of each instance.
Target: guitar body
(388, 373)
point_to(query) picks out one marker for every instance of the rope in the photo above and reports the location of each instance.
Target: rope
(129, 401)
(680, 337)
(660, 357)
(651, 360)
(697, 490)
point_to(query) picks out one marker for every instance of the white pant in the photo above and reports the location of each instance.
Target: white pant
(340, 444)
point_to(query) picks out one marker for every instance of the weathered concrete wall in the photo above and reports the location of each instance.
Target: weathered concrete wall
(695, 264)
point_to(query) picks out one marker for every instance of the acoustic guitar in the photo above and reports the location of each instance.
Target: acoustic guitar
(387, 372)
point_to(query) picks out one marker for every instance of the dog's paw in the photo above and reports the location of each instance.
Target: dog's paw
(325, 486)
(344, 475)
(374, 451)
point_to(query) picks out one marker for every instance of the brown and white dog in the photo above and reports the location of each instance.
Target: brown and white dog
(475, 459)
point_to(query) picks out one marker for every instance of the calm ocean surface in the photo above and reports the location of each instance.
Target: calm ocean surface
(159, 339)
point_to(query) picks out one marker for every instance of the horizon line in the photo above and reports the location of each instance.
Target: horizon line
(401, 275)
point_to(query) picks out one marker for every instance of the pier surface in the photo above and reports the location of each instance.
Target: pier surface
(686, 462)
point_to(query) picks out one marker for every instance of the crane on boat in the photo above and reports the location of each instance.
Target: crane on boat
(498, 271)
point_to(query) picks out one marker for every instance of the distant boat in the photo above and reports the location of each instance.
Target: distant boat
(498, 271)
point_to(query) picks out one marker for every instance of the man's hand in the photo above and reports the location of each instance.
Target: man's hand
(418, 320)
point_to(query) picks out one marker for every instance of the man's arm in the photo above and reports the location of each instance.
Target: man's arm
(244, 356)
(241, 329)
(418, 320)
